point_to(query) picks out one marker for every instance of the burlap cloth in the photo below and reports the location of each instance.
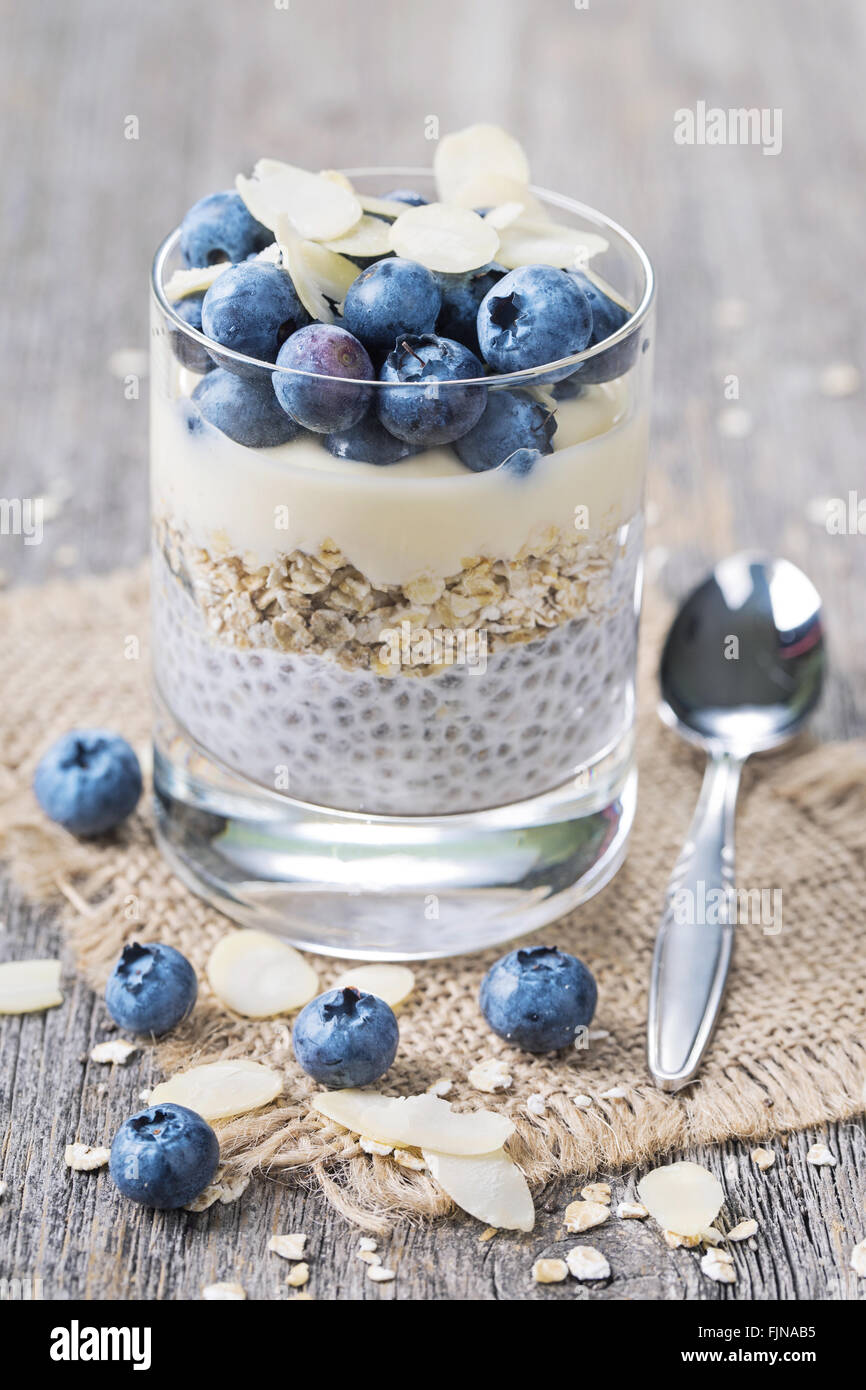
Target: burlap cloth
(790, 1049)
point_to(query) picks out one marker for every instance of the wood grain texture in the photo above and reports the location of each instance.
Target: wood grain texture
(592, 93)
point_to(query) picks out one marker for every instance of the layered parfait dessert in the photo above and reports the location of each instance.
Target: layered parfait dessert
(398, 448)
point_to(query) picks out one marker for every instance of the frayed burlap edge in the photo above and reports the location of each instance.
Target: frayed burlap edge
(786, 1088)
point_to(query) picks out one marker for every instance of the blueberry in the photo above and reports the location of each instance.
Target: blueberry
(438, 411)
(252, 308)
(151, 989)
(608, 317)
(247, 411)
(535, 314)
(368, 442)
(461, 297)
(405, 195)
(88, 781)
(514, 422)
(346, 1038)
(572, 387)
(522, 462)
(538, 998)
(220, 228)
(164, 1156)
(392, 298)
(188, 353)
(327, 351)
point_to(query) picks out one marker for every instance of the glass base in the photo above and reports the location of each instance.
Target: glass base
(388, 887)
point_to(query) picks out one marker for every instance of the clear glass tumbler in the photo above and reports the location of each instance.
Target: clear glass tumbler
(394, 700)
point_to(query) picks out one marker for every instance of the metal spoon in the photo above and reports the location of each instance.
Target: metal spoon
(741, 670)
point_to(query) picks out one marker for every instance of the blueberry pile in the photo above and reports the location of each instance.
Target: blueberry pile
(422, 331)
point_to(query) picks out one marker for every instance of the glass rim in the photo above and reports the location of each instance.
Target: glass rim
(527, 376)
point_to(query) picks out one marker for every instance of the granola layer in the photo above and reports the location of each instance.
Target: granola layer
(323, 605)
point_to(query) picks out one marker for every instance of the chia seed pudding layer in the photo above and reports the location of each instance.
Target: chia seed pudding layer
(301, 706)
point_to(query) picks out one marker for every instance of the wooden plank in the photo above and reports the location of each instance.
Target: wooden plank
(593, 93)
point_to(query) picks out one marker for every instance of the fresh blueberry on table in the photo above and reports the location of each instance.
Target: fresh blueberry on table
(88, 781)
(221, 228)
(151, 989)
(405, 195)
(247, 411)
(323, 406)
(164, 1156)
(346, 1038)
(607, 318)
(368, 442)
(189, 354)
(391, 298)
(514, 422)
(535, 314)
(461, 298)
(252, 309)
(439, 410)
(538, 997)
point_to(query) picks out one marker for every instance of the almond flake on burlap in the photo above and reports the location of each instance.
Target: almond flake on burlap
(790, 1049)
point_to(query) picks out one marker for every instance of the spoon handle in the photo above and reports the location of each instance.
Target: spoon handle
(695, 936)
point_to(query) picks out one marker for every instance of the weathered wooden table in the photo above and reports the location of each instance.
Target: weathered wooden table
(115, 120)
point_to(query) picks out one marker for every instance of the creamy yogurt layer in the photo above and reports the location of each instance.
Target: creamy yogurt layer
(423, 515)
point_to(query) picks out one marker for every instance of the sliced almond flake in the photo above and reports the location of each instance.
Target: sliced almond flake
(370, 236)
(743, 1230)
(309, 289)
(597, 1192)
(858, 1259)
(384, 207)
(488, 1186)
(598, 1034)
(536, 1104)
(288, 1247)
(487, 1234)
(372, 1146)
(549, 1271)
(585, 1262)
(380, 1275)
(407, 1159)
(419, 1122)
(84, 1157)
(718, 1266)
(257, 975)
(223, 1293)
(763, 1159)
(490, 1075)
(683, 1197)
(632, 1211)
(369, 1257)
(820, 1157)
(28, 986)
(186, 282)
(440, 1087)
(615, 1093)
(318, 208)
(583, 1216)
(218, 1090)
(298, 1276)
(530, 241)
(444, 238)
(582, 1102)
(392, 983)
(504, 215)
(368, 1243)
(477, 149)
(117, 1051)
(711, 1235)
